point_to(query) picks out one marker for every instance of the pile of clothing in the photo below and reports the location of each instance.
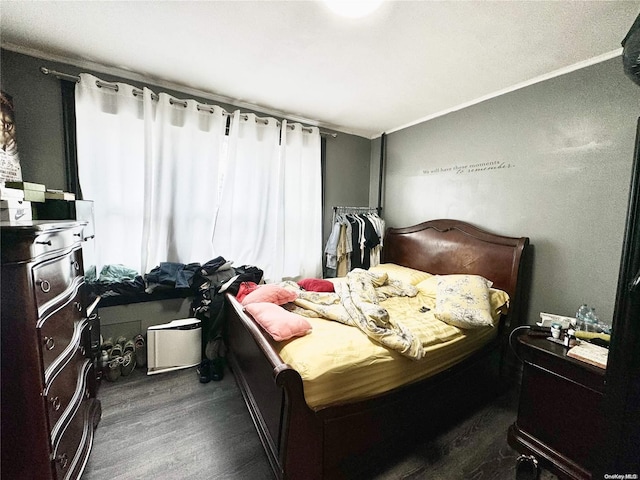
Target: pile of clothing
(210, 282)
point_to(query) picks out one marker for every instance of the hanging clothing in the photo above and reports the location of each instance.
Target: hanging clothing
(344, 250)
(358, 243)
(331, 249)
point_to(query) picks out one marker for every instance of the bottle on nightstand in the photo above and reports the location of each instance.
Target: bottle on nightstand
(570, 335)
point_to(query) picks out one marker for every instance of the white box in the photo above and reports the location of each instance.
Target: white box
(11, 193)
(174, 345)
(546, 319)
(14, 203)
(15, 211)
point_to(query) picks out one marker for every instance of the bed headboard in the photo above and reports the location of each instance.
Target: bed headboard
(451, 246)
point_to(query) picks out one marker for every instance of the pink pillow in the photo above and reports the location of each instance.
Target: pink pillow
(271, 294)
(316, 285)
(245, 289)
(278, 322)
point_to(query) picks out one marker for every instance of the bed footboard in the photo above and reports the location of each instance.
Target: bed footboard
(273, 391)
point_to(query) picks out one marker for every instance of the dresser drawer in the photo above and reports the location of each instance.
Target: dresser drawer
(39, 239)
(53, 278)
(51, 242)
(72, 453)
(72, 435)
(57, 330)
(60, 392)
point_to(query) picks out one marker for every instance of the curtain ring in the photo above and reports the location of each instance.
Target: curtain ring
(113, 86)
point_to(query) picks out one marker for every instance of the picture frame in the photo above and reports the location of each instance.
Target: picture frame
(10, 169)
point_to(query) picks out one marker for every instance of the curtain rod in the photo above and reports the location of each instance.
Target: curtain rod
(173, 101)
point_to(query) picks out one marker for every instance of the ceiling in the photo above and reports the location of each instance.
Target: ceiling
(407, 62)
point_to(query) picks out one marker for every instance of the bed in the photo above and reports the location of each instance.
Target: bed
(304, 441)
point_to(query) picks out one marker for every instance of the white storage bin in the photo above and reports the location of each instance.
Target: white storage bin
(174, 345)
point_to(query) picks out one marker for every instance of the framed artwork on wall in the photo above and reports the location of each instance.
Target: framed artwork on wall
(9, 161)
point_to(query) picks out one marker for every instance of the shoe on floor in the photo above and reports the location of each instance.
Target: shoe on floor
(128, 358)
(204, 371)
(107, 345)
(217, 369)
(104, 359)
(141, 350)
(113, 370)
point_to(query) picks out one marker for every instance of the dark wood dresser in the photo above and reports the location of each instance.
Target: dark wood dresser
(49, 406)
(561, 418)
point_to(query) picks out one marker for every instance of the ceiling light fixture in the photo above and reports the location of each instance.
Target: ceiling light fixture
(353, 8)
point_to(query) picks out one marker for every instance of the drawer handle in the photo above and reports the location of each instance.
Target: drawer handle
(45, 286)
(63, 460)
(48, 242)
(55, 403)
(49, 343)
(87, 393)
(78, 306)
(82, 349)
(88, 238)
(76, 265)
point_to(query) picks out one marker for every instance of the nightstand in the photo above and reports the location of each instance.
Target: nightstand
(560, 420)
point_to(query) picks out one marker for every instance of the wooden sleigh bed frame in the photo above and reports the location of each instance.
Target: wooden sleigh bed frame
(301, 443)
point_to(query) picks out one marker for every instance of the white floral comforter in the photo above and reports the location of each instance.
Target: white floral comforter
(356, 303)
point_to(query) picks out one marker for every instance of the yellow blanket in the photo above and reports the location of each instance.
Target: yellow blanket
(339, 364)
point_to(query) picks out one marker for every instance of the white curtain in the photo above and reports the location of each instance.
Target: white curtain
(271, 203)
(182, 177)
(248, 224)
(302, 201)
(151, 168)
(168, 185)
(110, 132)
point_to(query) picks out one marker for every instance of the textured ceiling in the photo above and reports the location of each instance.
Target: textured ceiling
(408, 61)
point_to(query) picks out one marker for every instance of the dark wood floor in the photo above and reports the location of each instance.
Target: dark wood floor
(170, 426)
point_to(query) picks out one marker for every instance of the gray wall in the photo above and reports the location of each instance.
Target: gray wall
(551, 161)
(38, 118)
(347, 175)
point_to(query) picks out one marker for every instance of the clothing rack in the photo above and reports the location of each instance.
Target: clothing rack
(339, 210)
(355, 240)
